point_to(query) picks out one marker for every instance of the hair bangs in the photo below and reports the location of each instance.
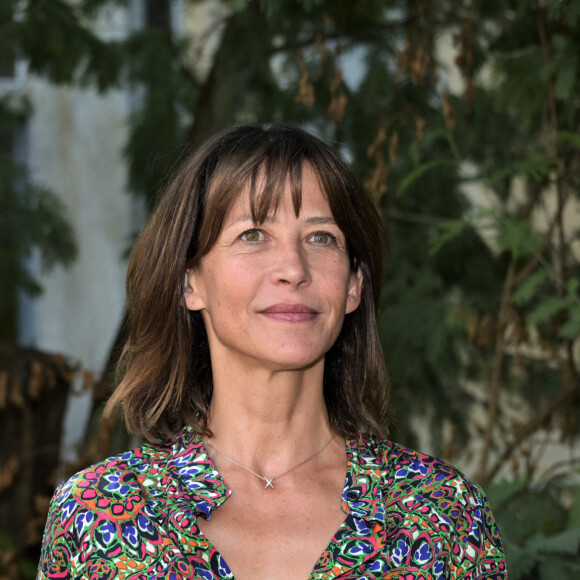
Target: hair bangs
(265, 174)
(268, 186)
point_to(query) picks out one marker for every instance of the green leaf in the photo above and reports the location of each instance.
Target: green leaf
(570, 138)
(573, 13)
(534, 168)
(517, 236)
(554, 8)
(566, 77)
(560, 42)
(566, 542)
(418, 172)
(520, 561)
(547, 310)
(554, 567)
(238, 5)
(448, 231)
(556, 304)
(571, 329)
(574, 517)
(572, 286)
(32, 218)
(502, 491)
(529, 286)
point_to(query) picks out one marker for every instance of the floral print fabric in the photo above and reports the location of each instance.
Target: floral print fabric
(408, 517)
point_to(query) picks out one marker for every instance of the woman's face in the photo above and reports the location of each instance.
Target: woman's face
(275, 295)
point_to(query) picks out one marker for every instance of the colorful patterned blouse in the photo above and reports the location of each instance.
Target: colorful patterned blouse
(408, 517)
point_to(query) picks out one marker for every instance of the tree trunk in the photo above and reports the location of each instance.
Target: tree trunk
(34, 387)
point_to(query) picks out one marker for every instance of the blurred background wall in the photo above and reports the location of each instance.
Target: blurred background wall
(461, 119)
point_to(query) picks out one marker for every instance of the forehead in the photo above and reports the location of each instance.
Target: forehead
(259, 190)
(262, 197)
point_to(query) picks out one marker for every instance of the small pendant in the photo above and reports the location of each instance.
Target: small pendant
(269, 483)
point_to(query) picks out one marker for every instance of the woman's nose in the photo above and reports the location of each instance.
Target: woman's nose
(291, 266)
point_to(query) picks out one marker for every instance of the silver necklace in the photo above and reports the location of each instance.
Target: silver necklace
(270, 480)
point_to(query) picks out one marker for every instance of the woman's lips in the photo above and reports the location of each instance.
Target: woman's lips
(290, 312)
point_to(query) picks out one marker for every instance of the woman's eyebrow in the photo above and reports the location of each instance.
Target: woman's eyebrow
(242, 219)
(314, 220)
(320, 220)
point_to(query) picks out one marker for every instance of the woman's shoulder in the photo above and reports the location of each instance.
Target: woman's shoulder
(116, 505)
(407, 472)
(112, 487)
(119, 485)
(424, 498)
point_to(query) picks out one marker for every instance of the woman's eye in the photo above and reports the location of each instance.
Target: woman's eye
(322, 238)
(252, 236)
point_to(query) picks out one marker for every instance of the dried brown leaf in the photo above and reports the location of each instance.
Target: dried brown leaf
(420, 124)
(50, 378)
(8, 472)
(336, 82)
(393, 146)
(469, 95)
(320, 48)
(88, 380)
(403, 59)
(448, 112)
(377, 184)
(16, 397)
(337, 108)
(375, 149)
(37, 379)
(305, 95)
(486, 331)
(473, 327)
(419, 65)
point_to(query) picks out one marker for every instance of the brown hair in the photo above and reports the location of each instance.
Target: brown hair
(167, 380)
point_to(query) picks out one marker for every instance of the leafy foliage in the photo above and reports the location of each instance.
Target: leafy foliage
(32, 224)
(541, 535)
(473, 160)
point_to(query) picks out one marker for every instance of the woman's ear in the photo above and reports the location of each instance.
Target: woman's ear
(353, 297)
(193, 300)
(187, 289)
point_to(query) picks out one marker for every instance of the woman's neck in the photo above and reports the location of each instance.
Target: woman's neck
(269, 420)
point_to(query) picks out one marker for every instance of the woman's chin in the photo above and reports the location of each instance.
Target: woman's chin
(293, 361)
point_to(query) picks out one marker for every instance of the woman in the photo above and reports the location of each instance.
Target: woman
(254, 358)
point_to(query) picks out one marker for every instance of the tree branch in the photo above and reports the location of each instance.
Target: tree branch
(550, 84)
(358, 34)
(532, 425)
(497, 366)
(535, 259)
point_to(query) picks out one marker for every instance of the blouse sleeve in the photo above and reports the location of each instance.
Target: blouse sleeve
(477, 553)
(58, 543)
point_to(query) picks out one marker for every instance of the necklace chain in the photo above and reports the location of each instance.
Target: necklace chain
(270, 480)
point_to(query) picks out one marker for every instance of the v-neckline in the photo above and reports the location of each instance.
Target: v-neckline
(221, 480)
(213, 490)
